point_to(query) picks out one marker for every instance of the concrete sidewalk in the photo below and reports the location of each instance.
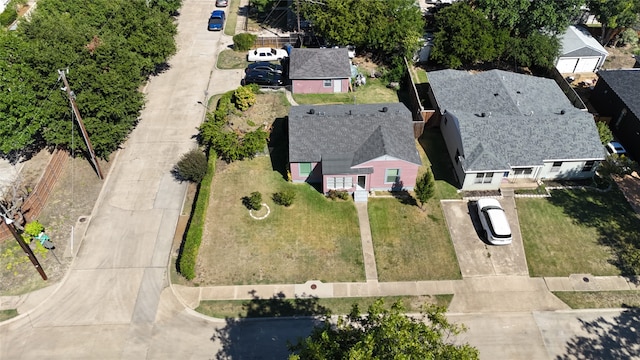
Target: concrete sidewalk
(478, 294)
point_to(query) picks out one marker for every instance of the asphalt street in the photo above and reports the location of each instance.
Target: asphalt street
(116, 301)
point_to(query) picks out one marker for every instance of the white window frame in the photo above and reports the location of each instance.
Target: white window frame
(303, 173)
(386, 176)
(327, 83)
(483, 178)
(555, 167)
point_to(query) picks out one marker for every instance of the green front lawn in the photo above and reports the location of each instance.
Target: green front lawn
(579, 231)
(8, 314)
(411, 244)
(373, 92)
(315, 238)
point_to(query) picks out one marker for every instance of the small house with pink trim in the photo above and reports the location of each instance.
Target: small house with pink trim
(319, 71)
(355, 148)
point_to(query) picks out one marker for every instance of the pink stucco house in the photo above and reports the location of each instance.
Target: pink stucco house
(317, 71)
(356, 148)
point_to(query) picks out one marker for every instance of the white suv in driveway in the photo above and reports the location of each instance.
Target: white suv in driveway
(495, 227)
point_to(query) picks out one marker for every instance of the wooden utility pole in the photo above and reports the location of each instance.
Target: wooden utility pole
(76, 113)
(24, 246)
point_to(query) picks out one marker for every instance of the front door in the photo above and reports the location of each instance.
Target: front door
(362, 182)
(337, 85)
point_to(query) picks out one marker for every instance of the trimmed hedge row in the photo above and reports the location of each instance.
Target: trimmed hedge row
(193, 237)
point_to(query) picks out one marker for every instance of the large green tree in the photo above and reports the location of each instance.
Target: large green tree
(523, 17)
(464, 37)
(614, 15)
(386, 27)
(18, 112)
(385, 334)
(109, 47)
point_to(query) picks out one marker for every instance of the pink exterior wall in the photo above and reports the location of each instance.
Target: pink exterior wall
(376, 181)
(314, 177)
(316, 86)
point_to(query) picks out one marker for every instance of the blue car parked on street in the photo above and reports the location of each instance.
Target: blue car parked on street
(216, 20)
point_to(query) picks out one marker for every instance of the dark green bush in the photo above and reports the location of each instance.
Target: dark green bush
(338, 194)
(243, 41)
(285, 197)
(191, 244)
(192, 166)
(253, 201)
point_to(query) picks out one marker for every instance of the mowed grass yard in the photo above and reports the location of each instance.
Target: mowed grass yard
(315, 238)
(411, 244)
(578, 232)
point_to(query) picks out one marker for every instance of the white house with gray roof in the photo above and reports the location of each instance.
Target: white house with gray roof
(502, 127)
(317, 71)
(355, 148)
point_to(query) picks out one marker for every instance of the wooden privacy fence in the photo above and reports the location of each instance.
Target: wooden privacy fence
(421, 115)
(38, 197)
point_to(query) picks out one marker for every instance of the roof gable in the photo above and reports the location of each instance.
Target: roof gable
(355, 132)
(577, 41)
(307, 63)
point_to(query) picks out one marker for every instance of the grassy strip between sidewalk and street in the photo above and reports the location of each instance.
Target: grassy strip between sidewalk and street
(232, 17)
(8, 314)
(309, 306)
(578, 232)
(600, 299)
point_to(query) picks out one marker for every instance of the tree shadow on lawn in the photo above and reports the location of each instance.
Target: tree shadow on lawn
(611, 215)
(432, 142)
(606, 339)
(279, 146)
(267, 327)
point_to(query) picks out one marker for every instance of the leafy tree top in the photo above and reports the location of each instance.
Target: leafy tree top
(385, 333)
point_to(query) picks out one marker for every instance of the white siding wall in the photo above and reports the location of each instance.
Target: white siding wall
(469, 182)
(568, 169)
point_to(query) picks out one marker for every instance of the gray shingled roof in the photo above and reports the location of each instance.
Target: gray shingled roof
(523, 123)
(577, 41)
(307, 63)
(342, 136)
(626, 84)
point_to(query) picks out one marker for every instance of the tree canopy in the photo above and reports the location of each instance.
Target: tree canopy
(524, 17)
(385, 333)
(615, 16)
(109, 48)
(514, 31)
(388, 28)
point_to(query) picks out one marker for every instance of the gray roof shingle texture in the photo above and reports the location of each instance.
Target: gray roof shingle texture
(310, 64)
(626, 84)
(523, 123)
(342, 136)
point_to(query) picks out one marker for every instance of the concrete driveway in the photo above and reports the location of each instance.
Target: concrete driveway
(475, 256)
